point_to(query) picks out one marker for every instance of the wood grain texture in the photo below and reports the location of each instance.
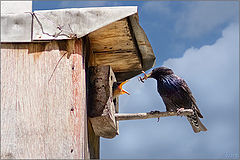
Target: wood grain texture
(101, 107)
(144, 46)
(101, 80)
(117, 34)
(94, 142)
(122, 62)
(41, 119)
(106, 125)
(114, 45)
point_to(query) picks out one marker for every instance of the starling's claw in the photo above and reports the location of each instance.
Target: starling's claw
(180, 110)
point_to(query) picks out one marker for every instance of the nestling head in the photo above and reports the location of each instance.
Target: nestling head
(160, 71)
(118, 90)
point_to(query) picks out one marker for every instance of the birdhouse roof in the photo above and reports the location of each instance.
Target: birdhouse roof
(116, 38)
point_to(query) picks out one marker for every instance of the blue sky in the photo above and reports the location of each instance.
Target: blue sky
(200, 42)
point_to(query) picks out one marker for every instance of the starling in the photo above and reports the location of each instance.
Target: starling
(118, 90)
(176, 95)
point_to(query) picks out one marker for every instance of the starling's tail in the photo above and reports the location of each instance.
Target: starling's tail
(196, 123)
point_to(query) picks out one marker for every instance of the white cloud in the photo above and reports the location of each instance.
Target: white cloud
(202, 17)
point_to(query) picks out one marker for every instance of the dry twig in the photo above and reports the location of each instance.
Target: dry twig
(153, 114)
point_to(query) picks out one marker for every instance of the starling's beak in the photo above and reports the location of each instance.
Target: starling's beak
(122, 91)
(149, 75)
(146, 76)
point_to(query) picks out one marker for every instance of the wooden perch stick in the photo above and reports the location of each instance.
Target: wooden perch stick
(153, 114)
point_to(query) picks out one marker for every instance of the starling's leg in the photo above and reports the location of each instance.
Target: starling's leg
(180, 110)
(153, 112)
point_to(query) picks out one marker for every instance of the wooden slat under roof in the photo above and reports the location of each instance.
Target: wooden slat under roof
(114, 45)
(117, 45)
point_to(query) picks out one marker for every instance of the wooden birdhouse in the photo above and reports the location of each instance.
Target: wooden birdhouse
(58, 68)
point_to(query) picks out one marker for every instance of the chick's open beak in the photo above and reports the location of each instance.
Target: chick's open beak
(122, 91)
(118, 90)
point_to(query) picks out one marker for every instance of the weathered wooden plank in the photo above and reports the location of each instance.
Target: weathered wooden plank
(122, 62)
(101, 79)
(56, 24)
(113, 45)
(101, 107)
(94, 142)
(110, 30)
(41, 119)
(147, 57)
(113, 37)
(144, 46)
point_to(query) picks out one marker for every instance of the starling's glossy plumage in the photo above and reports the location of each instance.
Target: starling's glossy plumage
(176, 94)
